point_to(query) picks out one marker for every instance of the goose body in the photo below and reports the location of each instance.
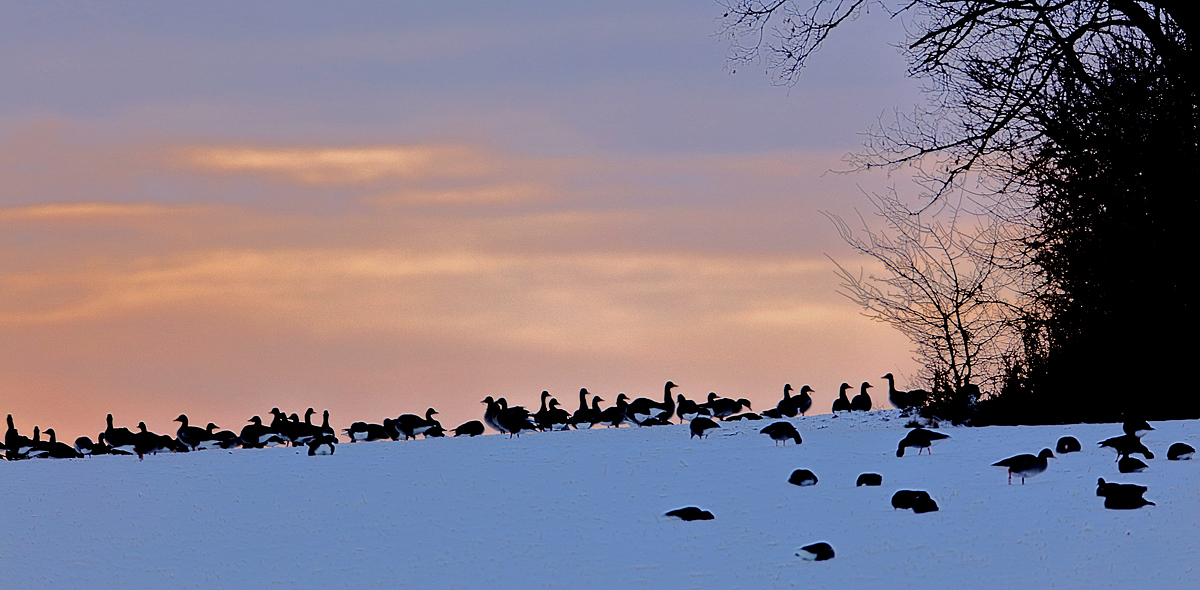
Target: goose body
(472, 428)
(1025, 466)
(642, 409)
(1127, 444)
(1131, 465)
(120, 439)
(903, 400)
(815, 552)
(323, 444)
(803, 478)
(615, 415)
(700, 427)
(1067, 444)
(191, 436)
(410, 425)
(1135, 427)
(782, 432)
(58, 450)
(723, 407)
(869, 479)
(920, 438)
(689, 410)
(862, 401)
(690, 513)
(842, 403)
(585, 417)
(1180, 452)
(358, 431)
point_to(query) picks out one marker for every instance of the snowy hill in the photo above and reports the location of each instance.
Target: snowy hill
(584, 509)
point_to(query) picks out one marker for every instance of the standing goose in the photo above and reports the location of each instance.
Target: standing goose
(1025, 466)
(701, 426)
(643, 409)
(782, 432)
(920, 438)
(1126, 445)
(842, 403)
(903, 400)
(542, 417)
(584, 417)
(490, 413)
(591, 418)
(791, 405)
(615, 415)
(191, 436)
(514, 420)
(557, 418)
(862, 401)
(149, 443)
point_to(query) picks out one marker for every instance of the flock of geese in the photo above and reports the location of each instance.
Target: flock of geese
(498, 415)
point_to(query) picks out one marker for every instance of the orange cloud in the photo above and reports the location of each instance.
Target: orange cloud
(357, 165)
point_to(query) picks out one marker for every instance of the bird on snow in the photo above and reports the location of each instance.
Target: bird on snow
(815, 552)
(701, 426)
(1131, 465)
(903, 400)
(1025, 466)
(1126, 445)
(1067, 444)
(862, 401)
(920, 438)
(690, 513)
(842, 403)
(1180, 452)
(782, 432)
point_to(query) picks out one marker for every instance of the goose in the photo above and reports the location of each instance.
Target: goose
(1067, 444)
(903, 400)
(916, 500)
(39, 449)
(920, 438)
(744, 416)
(16, 446)
(225, 439)
(391, 430)
(325, 428)
(782, 432)
(803, 478)
(191, 436)
(842, 403)
(472, 428)
(120, 439)
(723, 407)
(1122, 496)
(1126, 445)
(790, 406)
(490, 414)
(149, 443)
(557, 418)
(541, 417)
(1138, 428)
(690, 513)
(862, 401)
(255, 435)
(701, 426)
(589, 419)
(322, 444)
(58, 450)
(358, 431)
(869, 479)
(584, 417)
(1130, 465)
(85, 447)
(436, 431)
(293, 431)
(815, 552)
(615, 415)
(1025, 466)
(410, 425)
(514, 420)
(772, 413)
(642, 409)
(1180, 452)
(304, 432)
(687, 410)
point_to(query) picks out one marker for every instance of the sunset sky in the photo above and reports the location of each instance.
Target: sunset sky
(375, 207)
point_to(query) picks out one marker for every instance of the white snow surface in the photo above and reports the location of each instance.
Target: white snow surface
(584, 509)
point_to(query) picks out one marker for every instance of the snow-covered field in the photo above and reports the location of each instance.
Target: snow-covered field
(584, 510)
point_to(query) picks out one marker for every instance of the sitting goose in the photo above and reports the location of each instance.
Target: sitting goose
(1025, 466)
(120, 439)
(514, 420)
(862, 401)
(57, 450)
(16, 446)
(1180, 452)
(723, 407)
(149, 443)
(472, 428)
(322, 444)
(642, 409)
(556, 417)
(842, 403)
(255, 435)
(358, 431)
(410, 425)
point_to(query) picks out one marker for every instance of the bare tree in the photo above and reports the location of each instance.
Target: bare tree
(943, 285)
